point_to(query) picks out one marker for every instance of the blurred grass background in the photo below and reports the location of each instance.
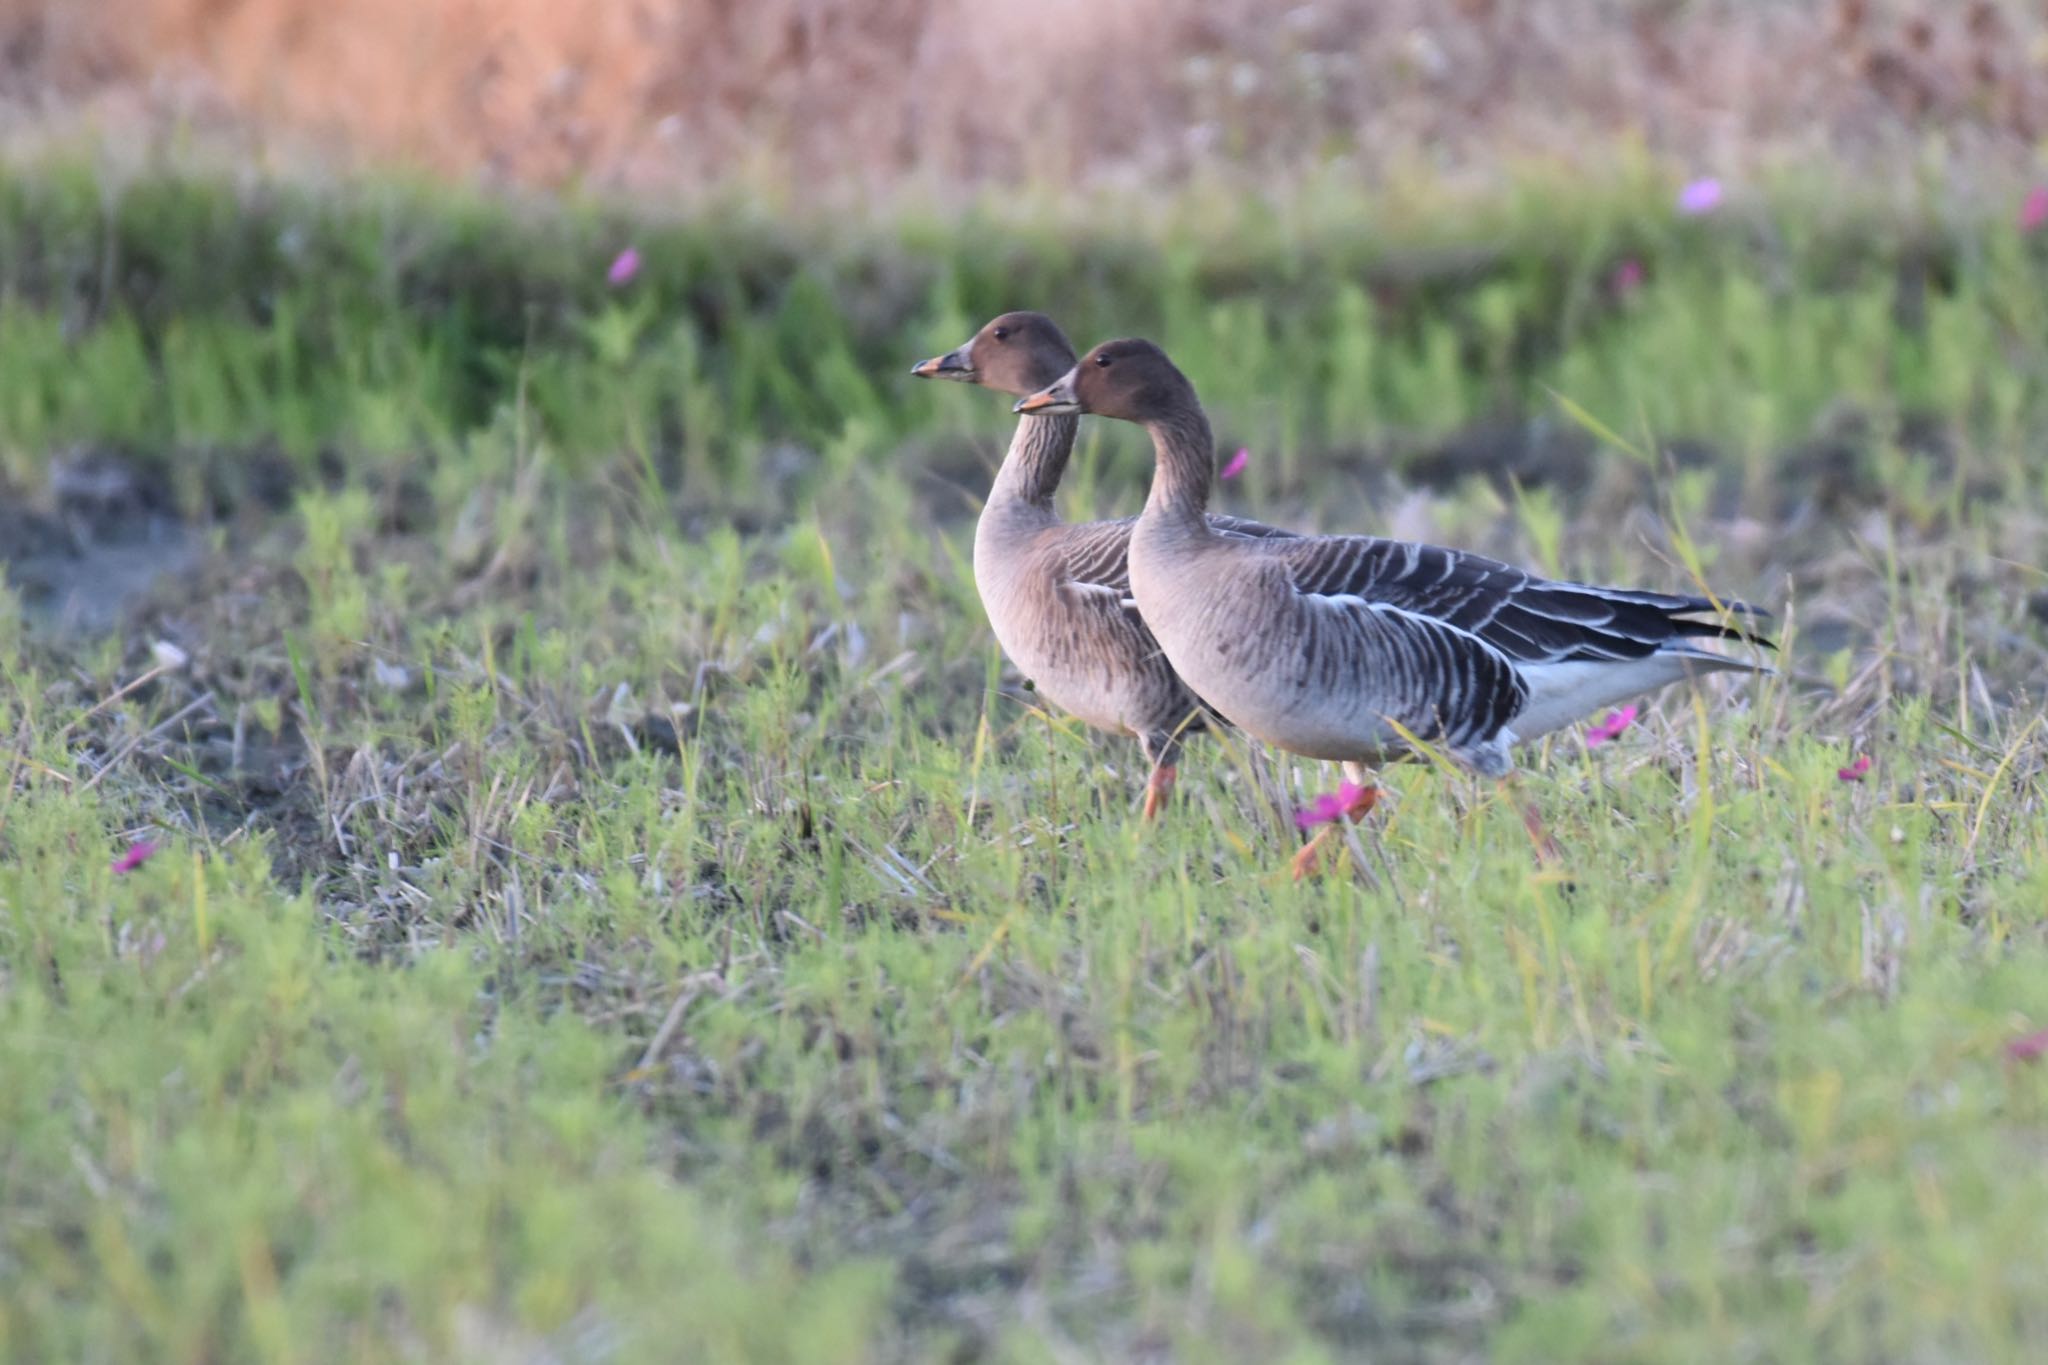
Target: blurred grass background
(180, 313)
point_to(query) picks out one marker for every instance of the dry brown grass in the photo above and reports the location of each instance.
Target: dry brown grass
(800, 95)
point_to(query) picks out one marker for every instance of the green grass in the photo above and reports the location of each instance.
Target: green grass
(614, 903)
(392, 323)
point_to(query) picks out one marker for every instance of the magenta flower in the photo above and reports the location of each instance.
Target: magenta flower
(1612, 727)
(1328, 809)
(1237, 463)
(2034, 209)
(138, 853)
(624, 267)
(1700, 197)
(1854, 772)
(1626, 278)
(2030, 1048)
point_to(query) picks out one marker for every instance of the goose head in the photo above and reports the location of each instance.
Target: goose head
(1017, 353)
(1130, 379)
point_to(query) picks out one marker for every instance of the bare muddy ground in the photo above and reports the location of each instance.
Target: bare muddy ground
(84, 552)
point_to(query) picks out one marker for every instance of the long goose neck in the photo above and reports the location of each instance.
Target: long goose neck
(1037, 458)
(1185, 467)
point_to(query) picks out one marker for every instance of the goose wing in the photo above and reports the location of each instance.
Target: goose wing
(1091, 568)
(1096, 554)
(1528, 619)
(1442, 682)
(1101, 626)
(1249, 529)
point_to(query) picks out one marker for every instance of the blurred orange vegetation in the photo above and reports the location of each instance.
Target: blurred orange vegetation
(808, 95)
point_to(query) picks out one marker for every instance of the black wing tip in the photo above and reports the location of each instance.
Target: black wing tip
(1720, 630)
(1674, 604)
(1680, 615)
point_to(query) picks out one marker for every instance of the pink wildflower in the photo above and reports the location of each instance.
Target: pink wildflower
(1626, 278)
(138, 853)
(1612, 727)
(1327, 809)
(2034, 209)
(624, 267)
(1700, 197)
(1854, 772)
(2029, 1048)
(1237, 463)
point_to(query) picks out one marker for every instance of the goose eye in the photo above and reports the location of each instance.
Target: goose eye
(1002, 333)
(1103, 361)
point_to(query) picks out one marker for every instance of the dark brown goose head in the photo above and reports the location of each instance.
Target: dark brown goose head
(1130, 379)
(1016, 353)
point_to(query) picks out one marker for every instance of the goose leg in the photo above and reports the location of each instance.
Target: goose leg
(1356, 809)
(1309, 854)
(1548, 854)
(1159, 788)
(1162, 751)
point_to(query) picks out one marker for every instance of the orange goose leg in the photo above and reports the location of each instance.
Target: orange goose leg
(1358, 808)
(1159, 788)
(1548, 854)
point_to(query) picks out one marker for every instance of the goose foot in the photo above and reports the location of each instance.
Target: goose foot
(1356, 809)
(1158, 788)
(1548, 854)
(1305, 860)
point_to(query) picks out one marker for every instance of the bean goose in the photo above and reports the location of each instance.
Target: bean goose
(1333, 646)
(1058, 593)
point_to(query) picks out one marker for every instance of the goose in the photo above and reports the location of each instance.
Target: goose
(1057, 593)
(1348, 647)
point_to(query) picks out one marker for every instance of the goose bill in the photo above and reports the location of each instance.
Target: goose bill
(1055, 399)
(954, 364)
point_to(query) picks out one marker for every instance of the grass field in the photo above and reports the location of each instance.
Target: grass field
(610, 901)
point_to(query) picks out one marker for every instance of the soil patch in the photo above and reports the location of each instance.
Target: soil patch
(89, 549)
